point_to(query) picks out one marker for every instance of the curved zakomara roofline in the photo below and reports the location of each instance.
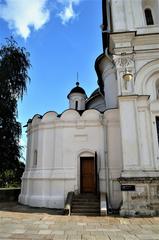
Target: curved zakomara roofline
(50, 112)
(36, 116)
(66, 111)
(80, 112)
(40, 117)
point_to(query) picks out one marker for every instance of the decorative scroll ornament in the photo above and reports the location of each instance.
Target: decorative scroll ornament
(125, 66)
(123, 60)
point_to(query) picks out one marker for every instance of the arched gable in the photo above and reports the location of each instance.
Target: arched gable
(91, 114)
(49, 116)
(70, 115)
(36, 119)
(146, 79)
(86, 152)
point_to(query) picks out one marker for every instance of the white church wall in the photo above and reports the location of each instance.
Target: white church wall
(114, 156)
(48, 136)
(28, 151)
(129, 130)
(110, 82)
(60, 142)
(40, 157)
(102, 160)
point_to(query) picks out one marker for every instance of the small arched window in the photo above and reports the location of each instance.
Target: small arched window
(157, 93)
(157, 89)
(76, 105)
(157, 127)
(35, 158)
(149, 17)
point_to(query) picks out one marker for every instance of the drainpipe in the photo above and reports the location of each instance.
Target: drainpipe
(106, 165)
(108, 56)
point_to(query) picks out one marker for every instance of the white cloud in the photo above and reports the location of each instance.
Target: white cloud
(68, 12)
(23, 14)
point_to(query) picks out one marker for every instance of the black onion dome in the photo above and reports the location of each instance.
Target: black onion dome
(77, 89)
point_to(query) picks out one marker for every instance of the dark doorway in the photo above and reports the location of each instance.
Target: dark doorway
(88, 175)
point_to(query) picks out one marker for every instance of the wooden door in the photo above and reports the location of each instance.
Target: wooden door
(88, 175)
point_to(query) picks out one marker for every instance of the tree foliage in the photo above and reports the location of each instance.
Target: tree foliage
(14, 65)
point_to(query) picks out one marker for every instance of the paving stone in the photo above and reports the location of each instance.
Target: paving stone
(102, 237)
(19, 231)
(5, 235)
(148, 236)
(88, 237)
(60, 232)
(73, 237)
(58, 237)
(38, 225)
(21, 236)
(43, 226)
(45, 231)
(81, 224)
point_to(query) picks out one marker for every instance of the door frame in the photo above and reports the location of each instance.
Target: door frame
(94, 159)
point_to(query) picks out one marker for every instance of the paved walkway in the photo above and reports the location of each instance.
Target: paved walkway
(22, 223)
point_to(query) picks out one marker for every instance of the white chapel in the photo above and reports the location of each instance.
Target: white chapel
(106, 144)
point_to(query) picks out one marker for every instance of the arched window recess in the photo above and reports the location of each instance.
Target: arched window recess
(35, 158)
(76, 105)
(148, 16)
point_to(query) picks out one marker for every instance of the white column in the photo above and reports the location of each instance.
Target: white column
(145, 134)
(129, 133)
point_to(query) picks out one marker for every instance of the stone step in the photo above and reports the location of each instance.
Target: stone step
(85, 210)
(93, 205)
(85, 214)
(85, 200)
(86, 196)
(85, 204)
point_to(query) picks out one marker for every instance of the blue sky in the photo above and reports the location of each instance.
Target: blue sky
(63, 38)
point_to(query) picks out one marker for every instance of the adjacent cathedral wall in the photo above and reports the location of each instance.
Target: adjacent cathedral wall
(129, 15)
(136, 53)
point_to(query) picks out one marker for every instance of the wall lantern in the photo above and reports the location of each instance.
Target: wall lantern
(127, 76)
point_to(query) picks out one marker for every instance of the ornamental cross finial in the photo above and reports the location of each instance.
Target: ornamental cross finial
(77, 83)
